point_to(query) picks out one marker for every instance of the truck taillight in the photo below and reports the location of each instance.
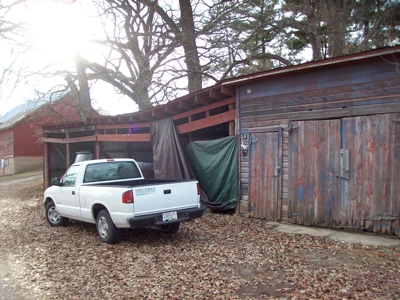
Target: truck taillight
(127, 197)
(198, 189)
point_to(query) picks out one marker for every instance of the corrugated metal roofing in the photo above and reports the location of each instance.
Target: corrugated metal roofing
(21, 111)
(13, 120)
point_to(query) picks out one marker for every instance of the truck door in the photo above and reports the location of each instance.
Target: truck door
(66, 199)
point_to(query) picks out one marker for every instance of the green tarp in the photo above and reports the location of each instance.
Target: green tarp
(215, 165)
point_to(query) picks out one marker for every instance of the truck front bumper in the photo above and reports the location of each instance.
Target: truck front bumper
(157, 219)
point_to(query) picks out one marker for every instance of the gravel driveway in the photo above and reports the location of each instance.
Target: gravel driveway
(215, 257)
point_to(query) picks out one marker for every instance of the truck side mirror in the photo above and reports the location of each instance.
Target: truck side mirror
(55, 181)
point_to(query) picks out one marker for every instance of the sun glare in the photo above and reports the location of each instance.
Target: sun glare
(58, 29)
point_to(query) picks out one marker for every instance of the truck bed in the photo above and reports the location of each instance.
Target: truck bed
(136, 182)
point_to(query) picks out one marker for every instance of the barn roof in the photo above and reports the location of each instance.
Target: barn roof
(16, 117)
(329, 63)
(18, 113)
(222, 93)
(21, 109)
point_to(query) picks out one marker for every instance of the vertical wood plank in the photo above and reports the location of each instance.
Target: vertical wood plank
(371, 194)
(395, 182)
(293, 146)
(264, 158)
(46, 174)
(314, 186)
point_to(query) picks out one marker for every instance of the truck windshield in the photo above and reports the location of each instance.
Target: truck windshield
(111, 171)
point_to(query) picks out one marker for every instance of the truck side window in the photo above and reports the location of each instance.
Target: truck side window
(70, 176)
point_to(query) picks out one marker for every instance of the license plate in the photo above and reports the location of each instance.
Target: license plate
(169, 216)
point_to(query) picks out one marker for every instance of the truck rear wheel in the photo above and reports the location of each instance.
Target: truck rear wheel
(53, 217)
(106, 229)
(170, 228)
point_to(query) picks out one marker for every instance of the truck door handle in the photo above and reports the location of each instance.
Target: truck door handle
(73, 192)
(167, 191)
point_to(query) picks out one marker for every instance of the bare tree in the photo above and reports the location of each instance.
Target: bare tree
(136, 48)
(19, 41)
(149, 46)
(183, 29)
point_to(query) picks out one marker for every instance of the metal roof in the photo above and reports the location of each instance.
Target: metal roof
(13, 120)
(19, 112)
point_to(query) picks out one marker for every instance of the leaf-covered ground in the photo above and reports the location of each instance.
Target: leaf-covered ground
(215, 257)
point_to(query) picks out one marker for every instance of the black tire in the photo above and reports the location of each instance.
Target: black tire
(53, 217)
(106, 229)
(171, 228)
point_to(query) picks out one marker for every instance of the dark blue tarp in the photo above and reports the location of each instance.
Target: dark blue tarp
(169, 156)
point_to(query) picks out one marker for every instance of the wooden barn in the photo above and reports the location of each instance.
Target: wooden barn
(319, 143)
(324, 141)
(21, 147)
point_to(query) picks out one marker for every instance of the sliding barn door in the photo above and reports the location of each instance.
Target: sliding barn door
(370, 195)
(346, 173)
(314, 182)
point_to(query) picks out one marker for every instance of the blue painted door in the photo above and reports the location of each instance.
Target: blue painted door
(313, 167)
(346, 173)
(265, 175)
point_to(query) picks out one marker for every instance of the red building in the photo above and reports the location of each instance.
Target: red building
(21, 146)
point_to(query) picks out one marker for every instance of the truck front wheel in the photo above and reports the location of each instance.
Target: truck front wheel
(53, 217)
(171, 228)
(106, 229)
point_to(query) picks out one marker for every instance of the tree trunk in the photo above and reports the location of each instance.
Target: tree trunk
(338, 17)
(142, 87)
(188, 40)
(313, 29)
(84, 91)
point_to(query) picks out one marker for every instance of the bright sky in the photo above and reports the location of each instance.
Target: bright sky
(57, 31)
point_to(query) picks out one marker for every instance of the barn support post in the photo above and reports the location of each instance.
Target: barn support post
(67, 154)
(46, 163)
(232, 123)
(97, 151)
(129, 150)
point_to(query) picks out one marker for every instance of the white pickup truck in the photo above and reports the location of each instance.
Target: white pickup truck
(113, 194)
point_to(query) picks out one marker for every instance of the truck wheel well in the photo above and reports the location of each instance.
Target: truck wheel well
(96, 209)
(47, 201)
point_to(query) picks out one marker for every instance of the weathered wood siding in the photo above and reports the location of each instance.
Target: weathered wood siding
(332, 92)
(370, 194)
(6, 143)
(265, 164)
(314, 169)
(345, 173)
(7, 150)
(371, 87)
